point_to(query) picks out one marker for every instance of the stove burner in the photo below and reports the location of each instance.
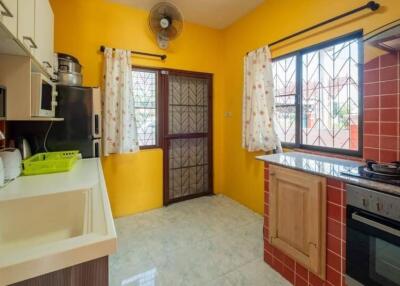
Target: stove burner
(364, 172)
(367, 171)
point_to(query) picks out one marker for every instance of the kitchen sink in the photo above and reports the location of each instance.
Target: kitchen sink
(33, 221)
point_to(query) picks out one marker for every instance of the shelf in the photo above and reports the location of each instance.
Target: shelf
(38, 119)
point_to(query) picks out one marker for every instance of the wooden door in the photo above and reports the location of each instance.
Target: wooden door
(298, 217)
(187, 135)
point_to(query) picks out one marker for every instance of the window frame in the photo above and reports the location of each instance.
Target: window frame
(299, 94)
(158, 106)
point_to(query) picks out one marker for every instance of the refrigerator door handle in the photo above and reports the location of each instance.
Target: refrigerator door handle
(96, 125)
(97, 151)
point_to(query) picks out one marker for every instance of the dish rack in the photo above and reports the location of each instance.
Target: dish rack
(50, 162)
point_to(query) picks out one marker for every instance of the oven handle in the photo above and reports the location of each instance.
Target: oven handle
(377, 225)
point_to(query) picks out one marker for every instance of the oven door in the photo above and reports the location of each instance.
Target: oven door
(373, 249)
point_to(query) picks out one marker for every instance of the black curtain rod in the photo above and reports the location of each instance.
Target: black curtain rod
(372, 5)
(162, 57)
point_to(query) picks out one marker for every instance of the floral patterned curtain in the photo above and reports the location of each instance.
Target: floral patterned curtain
(120, 133)
(259, 103)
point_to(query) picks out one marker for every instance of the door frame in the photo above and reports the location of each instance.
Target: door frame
(165, 140)
(162, 126)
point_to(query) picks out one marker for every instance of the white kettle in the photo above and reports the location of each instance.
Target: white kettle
(12, 161)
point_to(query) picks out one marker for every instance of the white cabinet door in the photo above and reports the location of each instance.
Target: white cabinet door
(9, 14)
(26, 25)
(44, 33)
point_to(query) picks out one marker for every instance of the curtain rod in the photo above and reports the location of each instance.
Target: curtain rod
(372, 5)
(162, 57)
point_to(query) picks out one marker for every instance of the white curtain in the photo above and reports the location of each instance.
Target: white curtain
(259, 132)
(120, 133)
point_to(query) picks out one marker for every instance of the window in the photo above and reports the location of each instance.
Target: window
(317, 95)
(145, 89)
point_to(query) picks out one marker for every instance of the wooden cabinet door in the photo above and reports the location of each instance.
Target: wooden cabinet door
(9, 14)
(297, 217)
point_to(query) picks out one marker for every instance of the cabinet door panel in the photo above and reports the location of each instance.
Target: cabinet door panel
(44, 21)
(26, 24)
(9, 14)
(298, 216)
(290, 224)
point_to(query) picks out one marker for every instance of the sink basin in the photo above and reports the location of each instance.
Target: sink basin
(33, 221)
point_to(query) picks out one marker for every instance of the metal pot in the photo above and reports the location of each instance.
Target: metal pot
(70, 78)
(68, 63)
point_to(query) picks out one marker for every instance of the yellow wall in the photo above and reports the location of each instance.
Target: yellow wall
(135, 181)
(243, 180)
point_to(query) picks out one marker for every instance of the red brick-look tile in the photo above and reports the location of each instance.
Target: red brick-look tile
(371, 141)
(382, 108)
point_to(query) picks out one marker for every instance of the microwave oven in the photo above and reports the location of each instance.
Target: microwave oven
(43, 96)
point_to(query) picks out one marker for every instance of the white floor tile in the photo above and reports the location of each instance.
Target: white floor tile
(207, 241)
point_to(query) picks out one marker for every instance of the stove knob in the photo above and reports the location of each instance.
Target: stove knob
(365, 202)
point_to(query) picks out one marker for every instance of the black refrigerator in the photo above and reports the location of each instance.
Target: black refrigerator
(81, 129)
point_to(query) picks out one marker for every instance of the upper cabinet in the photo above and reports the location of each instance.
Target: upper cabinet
(44, 33)
(27, 28)
(9, 12)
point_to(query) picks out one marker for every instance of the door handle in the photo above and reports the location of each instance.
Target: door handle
(6, 12)
(47, 64)
(33, 44)
(355, 216)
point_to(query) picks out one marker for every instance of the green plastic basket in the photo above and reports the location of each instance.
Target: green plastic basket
(51, 162)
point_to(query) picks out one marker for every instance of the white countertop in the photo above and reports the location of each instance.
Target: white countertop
(326, 167)
(84, 174)
(29, 256)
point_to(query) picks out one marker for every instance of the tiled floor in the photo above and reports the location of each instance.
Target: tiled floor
(207, 241)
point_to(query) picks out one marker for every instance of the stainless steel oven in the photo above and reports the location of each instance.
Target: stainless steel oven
(373, 237)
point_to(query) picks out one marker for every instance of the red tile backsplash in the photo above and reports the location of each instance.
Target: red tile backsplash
(382, 108)
(335, 241)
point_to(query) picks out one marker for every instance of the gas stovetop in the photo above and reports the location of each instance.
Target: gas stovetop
(365, 173)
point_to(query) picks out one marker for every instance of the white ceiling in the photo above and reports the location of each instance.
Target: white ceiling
(212, 13)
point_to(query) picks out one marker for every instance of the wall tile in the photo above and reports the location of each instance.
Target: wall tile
(388, 73)
(371, 89)
(371, 114)
(371, 76)
(388, 60)
(372, 154)
(372, 64)
(371, 128)
(388, 128)
(388, 155)
(389, 87)
(389, 114)
(371, 141)
(388, 101)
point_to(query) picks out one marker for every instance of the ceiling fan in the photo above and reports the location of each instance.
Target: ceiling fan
(166, 22)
